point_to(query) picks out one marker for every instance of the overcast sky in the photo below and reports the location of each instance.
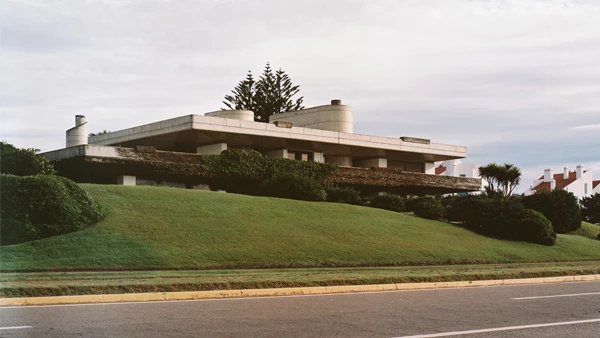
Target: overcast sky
(514, 81)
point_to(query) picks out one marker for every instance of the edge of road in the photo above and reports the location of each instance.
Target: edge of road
(216, 294)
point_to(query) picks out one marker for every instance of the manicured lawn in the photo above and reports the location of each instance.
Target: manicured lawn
(167, 228)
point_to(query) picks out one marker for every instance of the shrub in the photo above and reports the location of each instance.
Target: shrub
(343, 195)
(245, 171)
(43, 206)
(531, 226)
(590, 208)
(388, 202)
(559, 206)
(429, 208)
(504, 218)
(23, 162)
(294, 187)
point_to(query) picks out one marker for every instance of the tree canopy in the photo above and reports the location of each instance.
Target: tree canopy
(273, 93)
(502, 179)
(23, 162)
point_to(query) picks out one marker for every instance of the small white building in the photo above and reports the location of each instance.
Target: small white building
(579, 182)
(458, 169)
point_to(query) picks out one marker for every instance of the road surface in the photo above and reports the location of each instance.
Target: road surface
(550, 310)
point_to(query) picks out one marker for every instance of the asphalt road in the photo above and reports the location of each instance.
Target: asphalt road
(554, 310)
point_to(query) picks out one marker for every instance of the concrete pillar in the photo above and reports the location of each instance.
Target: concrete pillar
(279, 153)
(318, 157)
(430, 168)
(126, 180)
(213, 149)
(342, 161)
(374, 162)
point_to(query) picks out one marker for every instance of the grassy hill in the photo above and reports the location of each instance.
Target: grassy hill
(167, 228)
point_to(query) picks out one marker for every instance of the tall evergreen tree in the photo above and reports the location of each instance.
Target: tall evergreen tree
(273, 93)
(243, 95)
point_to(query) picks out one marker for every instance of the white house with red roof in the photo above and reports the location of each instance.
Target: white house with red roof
(579, 182)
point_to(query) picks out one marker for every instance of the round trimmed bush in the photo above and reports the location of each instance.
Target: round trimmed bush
(388, 202)
(429, 208)
(294, 187)
(559, 206)
(43, 206)
(531, 226)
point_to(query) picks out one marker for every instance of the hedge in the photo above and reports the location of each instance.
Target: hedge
(294, 186)
(504, 218)
(245, 171)
(42, 206)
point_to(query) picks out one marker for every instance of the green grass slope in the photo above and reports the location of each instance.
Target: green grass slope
(167, 228)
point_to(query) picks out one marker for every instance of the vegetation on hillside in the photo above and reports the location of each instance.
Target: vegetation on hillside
(167, 228)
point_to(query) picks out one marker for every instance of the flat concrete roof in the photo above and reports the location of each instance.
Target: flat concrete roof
(185, 133)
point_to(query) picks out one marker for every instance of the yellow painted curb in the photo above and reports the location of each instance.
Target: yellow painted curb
(193, 295)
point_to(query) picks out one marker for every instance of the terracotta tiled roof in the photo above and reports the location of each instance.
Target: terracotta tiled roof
(595, 184)
(440, 169)
(561, 182)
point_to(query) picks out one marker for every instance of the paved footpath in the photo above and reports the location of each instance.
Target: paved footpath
(538, 310)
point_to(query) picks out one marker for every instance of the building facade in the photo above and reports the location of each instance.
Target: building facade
(321, 134)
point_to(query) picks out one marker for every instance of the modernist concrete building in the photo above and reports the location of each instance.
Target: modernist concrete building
(321, 134)
(579, 182)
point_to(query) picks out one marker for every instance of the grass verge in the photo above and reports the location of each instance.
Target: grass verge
(77, 283)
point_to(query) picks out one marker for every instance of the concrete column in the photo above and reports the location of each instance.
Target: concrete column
(126, 180)
(342, 161)
(318, 157)
(279, 153)
(213, 149)
(374, 162)
(430, 168)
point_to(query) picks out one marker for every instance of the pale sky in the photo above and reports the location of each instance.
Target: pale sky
(514, 81)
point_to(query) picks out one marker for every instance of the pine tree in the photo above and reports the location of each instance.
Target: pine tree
(272, 94)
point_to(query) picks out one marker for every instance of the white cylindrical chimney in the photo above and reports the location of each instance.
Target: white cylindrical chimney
(566, 173)
(548, 175)
(579, 171)
(79, 134)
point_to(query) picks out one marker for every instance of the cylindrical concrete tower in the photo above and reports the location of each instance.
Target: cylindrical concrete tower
(79, 134)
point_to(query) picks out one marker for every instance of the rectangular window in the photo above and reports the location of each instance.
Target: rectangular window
(463, 175)
(585, 188)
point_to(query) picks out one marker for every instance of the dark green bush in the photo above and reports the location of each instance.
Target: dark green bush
(43, 206)
(245, 171)
(501, 217)
(428, 208)
(590, 208)
(559, 206)
(388, 202)
(294, 187)
(343, 195)
(530, 226)
(23, 162)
